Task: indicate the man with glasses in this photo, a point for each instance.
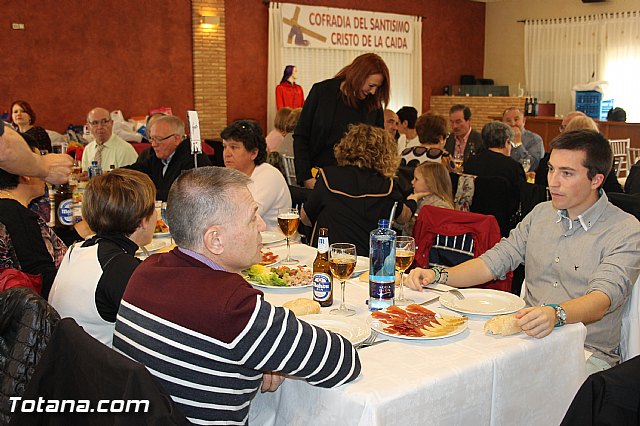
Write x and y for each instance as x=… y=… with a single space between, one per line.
x=108 y=148
x=526 y=144
x=169 y=155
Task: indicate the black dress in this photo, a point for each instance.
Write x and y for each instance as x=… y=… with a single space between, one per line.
x=349 y=201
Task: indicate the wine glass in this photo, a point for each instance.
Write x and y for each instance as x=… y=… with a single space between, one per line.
x=526 y=164
x=458 y=159
x=288 y=221
x=342 y=262
x=405 y=252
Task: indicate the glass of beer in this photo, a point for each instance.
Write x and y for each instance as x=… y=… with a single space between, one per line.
x=458 y=159
x=342 y=262
x=405 y=252
x=288 y=221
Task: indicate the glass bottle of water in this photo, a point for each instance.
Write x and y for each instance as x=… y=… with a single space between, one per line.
x=94 y=169
x=382 y=266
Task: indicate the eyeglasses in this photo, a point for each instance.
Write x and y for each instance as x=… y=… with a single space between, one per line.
x=103 y=122
x=418 y=151
x=157 y=139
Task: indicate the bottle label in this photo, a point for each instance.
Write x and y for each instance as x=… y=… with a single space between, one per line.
x=382 y=290
x=65 y=212
x=323 y=244
x=321 y=287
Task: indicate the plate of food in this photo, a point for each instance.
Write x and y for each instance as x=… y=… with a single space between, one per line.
x=162 y=230
x=280 y=278
x=269 y=258
x=416 y=322
x=356 y=330
x=154 y=246
x=270 y=237
x=481 y=301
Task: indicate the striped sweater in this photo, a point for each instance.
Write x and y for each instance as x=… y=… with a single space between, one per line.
x=208 y=336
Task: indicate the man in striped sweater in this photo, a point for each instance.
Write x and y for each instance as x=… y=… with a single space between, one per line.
x=195 y=323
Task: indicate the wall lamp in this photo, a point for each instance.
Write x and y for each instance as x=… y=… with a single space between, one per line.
x=209 y=21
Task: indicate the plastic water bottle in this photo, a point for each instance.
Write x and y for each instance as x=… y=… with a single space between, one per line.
x=94 y=170
x=382 y=266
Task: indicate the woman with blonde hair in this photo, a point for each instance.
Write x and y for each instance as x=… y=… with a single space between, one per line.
x=276 y=136
x=357 y=94
x=582 y=122
x=351 y=197
x=431 y=187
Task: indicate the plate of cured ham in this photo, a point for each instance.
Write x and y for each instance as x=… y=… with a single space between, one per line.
x=417 y=322
x=268 y=258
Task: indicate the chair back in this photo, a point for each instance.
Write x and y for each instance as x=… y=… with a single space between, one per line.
x=75 y=366
x=620 y=148
x=630 y=331
x=289 y=169
x=449 y=237
x=26 y=323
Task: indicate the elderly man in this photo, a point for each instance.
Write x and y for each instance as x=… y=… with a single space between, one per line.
x=407 y=116
x=108 y=149
x=463 y=140
x=391 y=123
x=526 y=144
x=169 y=155
x=207 y=335
x=18 y=159
x=581 y=253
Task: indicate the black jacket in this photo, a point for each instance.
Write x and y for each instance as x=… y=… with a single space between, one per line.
x=475 y=140
x=77 y=366
x=26 y=323
x=149 y=163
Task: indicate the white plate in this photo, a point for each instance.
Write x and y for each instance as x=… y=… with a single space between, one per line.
x=362 y=265
x=279 y=288
x=270 y=237
x=379 y=327
x=154 y=246
x=479 y=301
x=161 y=234
x=355 y=330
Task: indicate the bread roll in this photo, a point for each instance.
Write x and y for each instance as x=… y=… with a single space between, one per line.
x=503 y=325
x=303 y=306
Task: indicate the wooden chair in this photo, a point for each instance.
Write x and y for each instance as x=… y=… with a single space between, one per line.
x=620 y=148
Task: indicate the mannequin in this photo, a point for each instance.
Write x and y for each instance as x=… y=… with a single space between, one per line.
x=288 y=93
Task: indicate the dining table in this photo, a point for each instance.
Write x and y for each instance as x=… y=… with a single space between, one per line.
x=472 y=378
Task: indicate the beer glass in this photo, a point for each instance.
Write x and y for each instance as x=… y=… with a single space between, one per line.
x=288 y=221
x=342 y=262
x=458 y=159
x=405 y=252
x=526 y=164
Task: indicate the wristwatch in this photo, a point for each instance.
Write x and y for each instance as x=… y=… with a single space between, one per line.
x=561 y=314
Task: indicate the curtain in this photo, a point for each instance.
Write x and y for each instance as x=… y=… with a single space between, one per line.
x=620 y=63
x=316 y=64
x=561 y=53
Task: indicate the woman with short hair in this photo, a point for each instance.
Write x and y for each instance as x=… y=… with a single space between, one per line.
x=245 y=150
x=351 y=197
x=120 y=207
x=23 y=118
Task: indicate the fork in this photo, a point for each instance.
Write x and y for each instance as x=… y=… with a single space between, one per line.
x=368 y=341
x=455 y=292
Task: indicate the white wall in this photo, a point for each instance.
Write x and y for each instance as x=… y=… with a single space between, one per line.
x=504 y=36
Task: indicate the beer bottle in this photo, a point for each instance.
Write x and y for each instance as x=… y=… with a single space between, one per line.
x=63 y=202
x=322 y=279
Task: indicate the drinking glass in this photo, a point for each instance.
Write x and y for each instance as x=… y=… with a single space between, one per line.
x=526 y=164
x=342 y=262
x=458 y=159
x=405 y=252
x=288 y=221
x=163 y=214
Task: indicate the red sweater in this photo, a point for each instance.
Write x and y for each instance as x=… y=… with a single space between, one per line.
x=289 y=95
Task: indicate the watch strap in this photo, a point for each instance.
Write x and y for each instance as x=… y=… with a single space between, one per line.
x=561 y=315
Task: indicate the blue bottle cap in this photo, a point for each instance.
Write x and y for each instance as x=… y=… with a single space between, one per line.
x=383 y=223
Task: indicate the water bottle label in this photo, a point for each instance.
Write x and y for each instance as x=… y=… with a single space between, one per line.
x=65 y=212
x=321 y=287
x=382 y=290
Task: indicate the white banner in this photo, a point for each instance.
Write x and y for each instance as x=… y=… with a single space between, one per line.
x=347 y=29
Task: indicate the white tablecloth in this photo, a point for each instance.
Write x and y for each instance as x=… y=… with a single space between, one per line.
x=468 y=379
